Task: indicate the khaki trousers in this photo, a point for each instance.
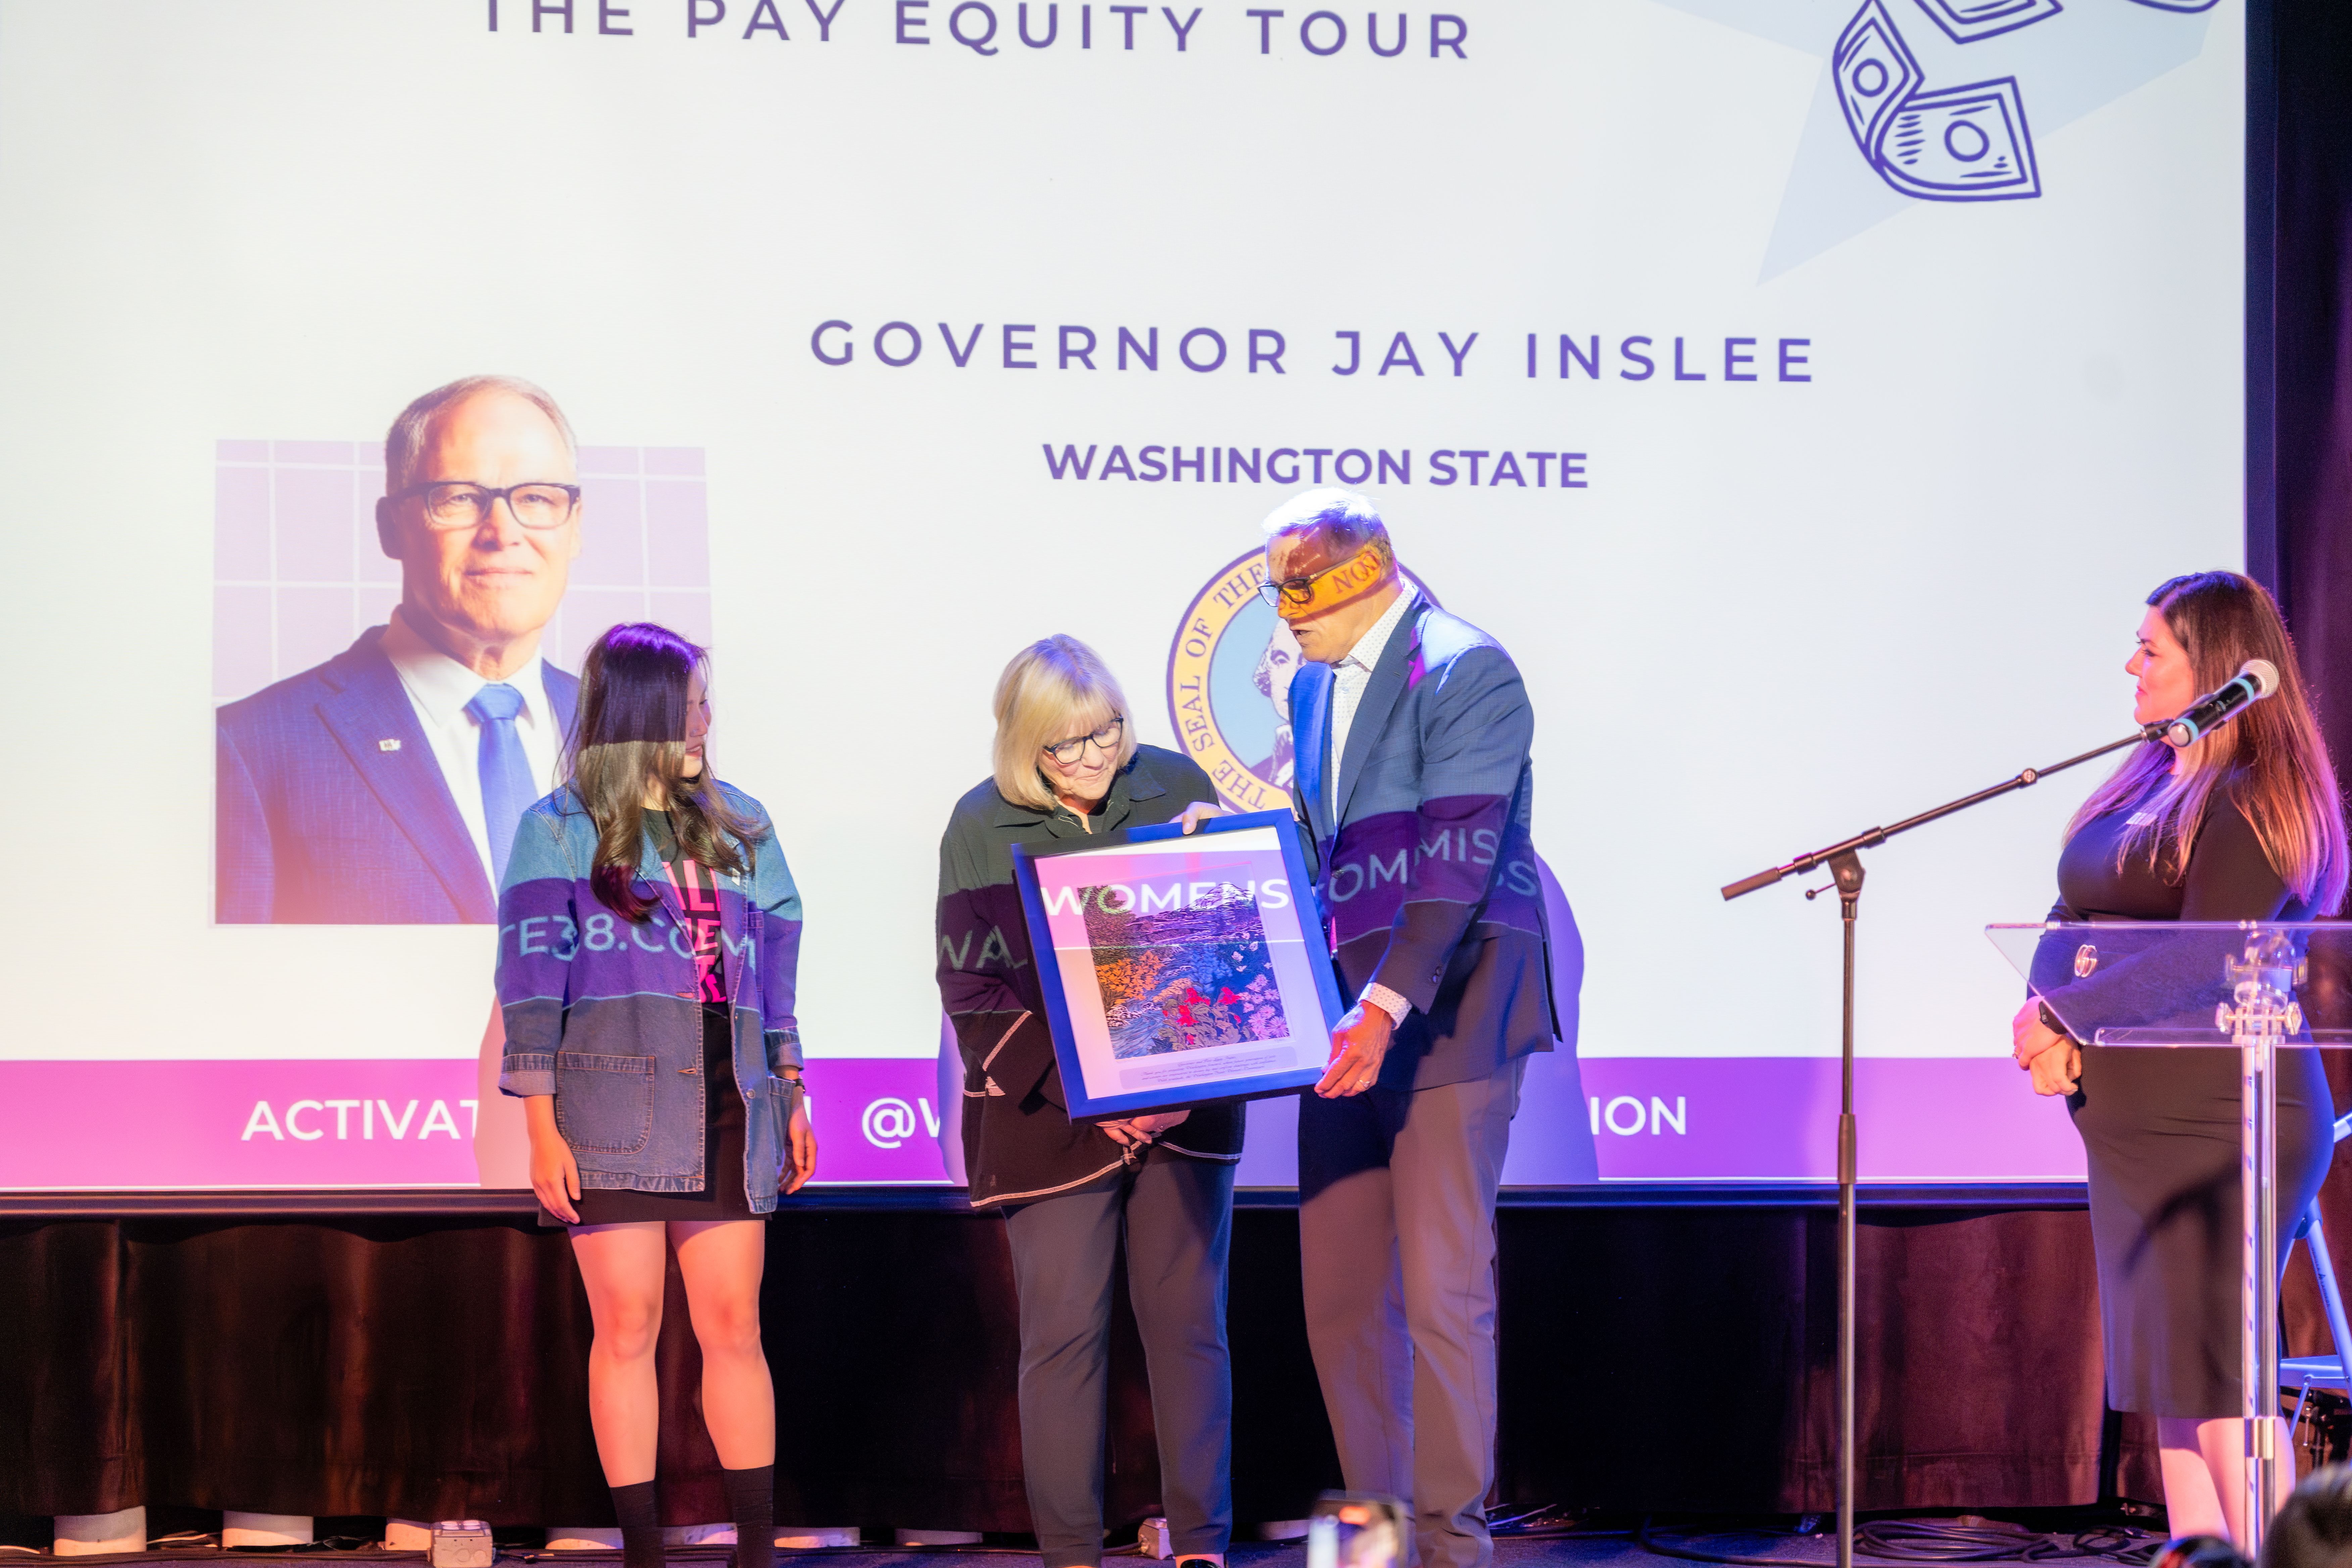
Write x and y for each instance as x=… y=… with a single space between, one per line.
x=1396 y=1229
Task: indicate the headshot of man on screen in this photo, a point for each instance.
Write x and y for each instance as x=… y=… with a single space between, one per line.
x=382 y=787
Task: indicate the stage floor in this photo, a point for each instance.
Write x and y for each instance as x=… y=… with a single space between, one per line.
x=1593 y=1549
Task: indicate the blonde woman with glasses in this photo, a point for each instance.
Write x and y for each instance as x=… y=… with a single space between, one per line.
x=1067 y=765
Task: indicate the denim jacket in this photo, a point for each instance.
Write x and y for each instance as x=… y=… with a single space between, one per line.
x=604 y=1014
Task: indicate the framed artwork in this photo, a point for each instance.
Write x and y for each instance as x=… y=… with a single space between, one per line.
x=1179 y=968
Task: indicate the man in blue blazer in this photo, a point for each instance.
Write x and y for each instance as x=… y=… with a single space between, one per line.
x=382 y=787
x=1413 y=730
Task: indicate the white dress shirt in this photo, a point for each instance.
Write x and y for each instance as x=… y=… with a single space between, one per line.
x=1349 y=676
x=438 y=688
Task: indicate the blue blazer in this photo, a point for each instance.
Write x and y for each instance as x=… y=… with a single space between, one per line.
x=1427 y=873
x=319 y=822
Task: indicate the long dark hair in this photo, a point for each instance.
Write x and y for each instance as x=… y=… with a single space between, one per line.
x=2270 y=756
x=630 y=736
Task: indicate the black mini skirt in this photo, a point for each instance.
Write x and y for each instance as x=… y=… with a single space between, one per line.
x=723 y=1194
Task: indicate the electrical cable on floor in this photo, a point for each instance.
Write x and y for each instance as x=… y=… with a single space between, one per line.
x=324 y=1545
x=1497 y=1525
x=1943 y=1541
x=1923 y=1541
x=1649 y=1541
x=1552 y=1521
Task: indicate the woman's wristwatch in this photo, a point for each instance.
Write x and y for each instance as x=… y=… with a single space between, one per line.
x=2052 y=1022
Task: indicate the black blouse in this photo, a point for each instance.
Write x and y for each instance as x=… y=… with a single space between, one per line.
x=2122 y=979
x=2228 y=877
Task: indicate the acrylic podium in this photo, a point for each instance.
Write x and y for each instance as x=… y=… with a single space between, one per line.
x=2257 y=988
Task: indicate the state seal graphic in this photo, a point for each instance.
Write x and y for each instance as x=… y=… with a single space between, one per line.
x=1229 y=674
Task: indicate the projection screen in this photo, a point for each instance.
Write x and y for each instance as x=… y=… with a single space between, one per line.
x=1806 y=395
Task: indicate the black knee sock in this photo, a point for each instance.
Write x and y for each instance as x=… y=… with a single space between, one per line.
x=752 y=1496
x=641 y=1536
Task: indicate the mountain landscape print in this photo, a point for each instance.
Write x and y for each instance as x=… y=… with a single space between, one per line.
x=1182 y=978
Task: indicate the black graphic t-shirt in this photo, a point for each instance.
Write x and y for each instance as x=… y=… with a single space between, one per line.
x=697 y=886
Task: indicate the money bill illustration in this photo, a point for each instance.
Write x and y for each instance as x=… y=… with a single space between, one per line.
x=1966 y=21
x=1961 y=144
x=1965 y=144
x=1875 y=74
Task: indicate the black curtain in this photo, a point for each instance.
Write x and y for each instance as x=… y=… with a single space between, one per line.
x=2299 y=387
x=2300 y=382
x=1673 y=1357
x=432 y=1368
x=1683 y=1360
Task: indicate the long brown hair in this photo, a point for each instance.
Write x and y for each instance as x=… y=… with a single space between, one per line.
x=630 y=735
x=2269 y=757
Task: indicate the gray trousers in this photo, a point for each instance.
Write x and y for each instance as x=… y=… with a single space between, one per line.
x=1178 y=1217
x=1396 y=1234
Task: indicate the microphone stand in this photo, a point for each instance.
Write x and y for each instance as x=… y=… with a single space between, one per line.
x=1844 y=861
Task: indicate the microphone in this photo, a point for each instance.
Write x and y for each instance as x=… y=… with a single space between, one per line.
x=2256 y=680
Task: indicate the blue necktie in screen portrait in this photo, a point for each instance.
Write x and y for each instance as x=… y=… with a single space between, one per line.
x=505 y=774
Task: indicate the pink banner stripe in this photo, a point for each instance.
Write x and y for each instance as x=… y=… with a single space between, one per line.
x=1937 y=1119
x=226 y=1125
x=221 y=1124
x=238 y=1124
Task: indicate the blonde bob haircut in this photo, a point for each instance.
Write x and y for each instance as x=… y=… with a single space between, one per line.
x=1054 y=689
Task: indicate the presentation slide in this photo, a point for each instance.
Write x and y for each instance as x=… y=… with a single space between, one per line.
x=1807 y=393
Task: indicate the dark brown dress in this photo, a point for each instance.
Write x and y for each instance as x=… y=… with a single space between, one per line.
x=2160 y=1128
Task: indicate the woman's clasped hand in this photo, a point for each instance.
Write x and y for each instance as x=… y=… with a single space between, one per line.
x=1135 y=1132
x=2055 y=1059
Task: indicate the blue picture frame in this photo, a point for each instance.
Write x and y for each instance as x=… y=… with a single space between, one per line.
x=1308 y=1016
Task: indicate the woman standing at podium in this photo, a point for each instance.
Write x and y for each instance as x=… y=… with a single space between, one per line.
x=2244 y=824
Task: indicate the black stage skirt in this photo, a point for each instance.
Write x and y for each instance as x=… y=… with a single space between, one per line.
x=723 y=1178
x=2160 y=1129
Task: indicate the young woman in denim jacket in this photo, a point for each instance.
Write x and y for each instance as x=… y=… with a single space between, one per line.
x=647 y=934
